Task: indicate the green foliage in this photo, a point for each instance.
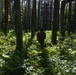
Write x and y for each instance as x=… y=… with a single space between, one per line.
x=57 y=59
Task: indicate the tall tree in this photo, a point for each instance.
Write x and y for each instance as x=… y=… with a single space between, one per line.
x=74 y=20
x=28 y=15
x=69 y=18
x=50 y=13
x=0 y=8
x=38 y=15
x=33 y=19
x=66 y=17
x=6 y=16
x=46 y=15
x=24 y=20
x=62 y=18
x=63 y=3
x=19 y=40
x=55 y=21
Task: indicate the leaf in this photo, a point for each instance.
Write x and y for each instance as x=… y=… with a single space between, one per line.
x=6 y=56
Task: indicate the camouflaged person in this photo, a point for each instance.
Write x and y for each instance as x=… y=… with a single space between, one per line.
x=41 y=36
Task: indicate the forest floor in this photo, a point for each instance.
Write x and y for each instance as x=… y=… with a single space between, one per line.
x=57 y=59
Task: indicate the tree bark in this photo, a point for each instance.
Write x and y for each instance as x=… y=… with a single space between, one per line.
x=33 y=20
x=51 y=15
x=6 y=17
x=38 y=25
x=55 y=21
x=62 y=19
x=19 y=41
x=28 y=15
x=69 y=18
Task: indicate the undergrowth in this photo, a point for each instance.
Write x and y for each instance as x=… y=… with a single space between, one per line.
x=57 y=59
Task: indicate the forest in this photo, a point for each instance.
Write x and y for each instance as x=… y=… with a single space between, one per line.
x=37 y=37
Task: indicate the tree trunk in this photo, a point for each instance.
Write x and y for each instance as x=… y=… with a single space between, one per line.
x=28 y=15
x=74 y=21
x=6 y=17
x=62 y=19
x=33 y=20
x=51 y=15
x=38 y=25
x=19 y=40
x=0 y=9
x=69 y=18
x=24 y=20
x=55 y=21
